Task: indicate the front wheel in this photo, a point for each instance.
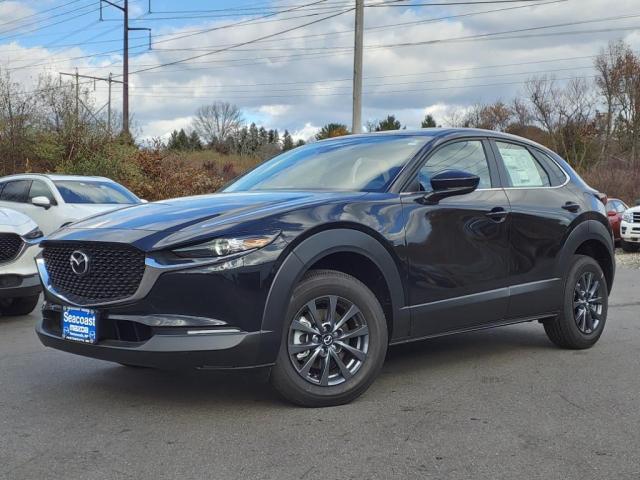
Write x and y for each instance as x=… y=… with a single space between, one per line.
x=334 y=341
x=584 y=313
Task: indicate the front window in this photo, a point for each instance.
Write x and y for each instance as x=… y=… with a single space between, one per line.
x=94 y=191
x=350 y=163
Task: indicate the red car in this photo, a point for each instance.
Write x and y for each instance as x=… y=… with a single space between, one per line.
x=615 y=209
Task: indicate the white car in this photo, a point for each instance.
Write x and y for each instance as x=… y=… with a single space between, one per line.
x=57 y=200
x=19 y=280
x=630 y=230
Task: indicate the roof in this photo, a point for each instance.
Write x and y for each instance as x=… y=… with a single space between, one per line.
x=440 y=132
x=56 y=176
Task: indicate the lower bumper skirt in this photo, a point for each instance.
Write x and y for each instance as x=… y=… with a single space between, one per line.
x=16 y=286
x=209 y=351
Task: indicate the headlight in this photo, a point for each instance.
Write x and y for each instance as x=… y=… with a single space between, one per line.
x=627 y=217
x=33 y=234
x=221 y=247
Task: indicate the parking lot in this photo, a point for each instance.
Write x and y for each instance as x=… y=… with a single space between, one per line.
x=503 y=403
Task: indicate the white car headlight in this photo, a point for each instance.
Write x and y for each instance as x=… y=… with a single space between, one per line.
x=627 y=217
x=221 y=247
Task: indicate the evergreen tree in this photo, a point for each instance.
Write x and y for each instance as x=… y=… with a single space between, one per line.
x=254 y=138
x=270 y=136
x=173 y=141
x=300 y=143
x=263 y=136
x=287 y=142
x=276 y=137
x=194 y=141
x=428 y=122
x=389 y=123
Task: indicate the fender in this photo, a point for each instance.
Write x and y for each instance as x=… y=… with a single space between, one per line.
x=588 y=230
x=308 y=252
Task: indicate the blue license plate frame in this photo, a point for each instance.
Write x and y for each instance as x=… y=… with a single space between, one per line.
x=80 y=325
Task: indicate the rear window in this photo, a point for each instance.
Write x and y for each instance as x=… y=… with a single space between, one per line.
x=94 y=191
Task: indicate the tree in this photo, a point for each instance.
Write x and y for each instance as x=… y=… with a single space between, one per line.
x=194 y=141
x=300 y=143
x=215 y=122
x=287 y=141
x=389 y=123
x=331 y=130
x=428 y=122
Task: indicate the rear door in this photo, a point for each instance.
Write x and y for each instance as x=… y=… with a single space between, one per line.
x=458 y=249
x=542 y=209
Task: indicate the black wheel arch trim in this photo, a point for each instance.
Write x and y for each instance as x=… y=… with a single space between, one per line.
x=314 y=248
x=583 y=232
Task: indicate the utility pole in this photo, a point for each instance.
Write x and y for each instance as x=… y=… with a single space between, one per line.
x=356 y=126
x=125 y=58
x=109 y=105
x=77 y=77
x=77 y=99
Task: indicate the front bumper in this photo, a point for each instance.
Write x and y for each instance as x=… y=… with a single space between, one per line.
x=171 y=342
x=203 y=316
x=630 y=232
x=16 y=286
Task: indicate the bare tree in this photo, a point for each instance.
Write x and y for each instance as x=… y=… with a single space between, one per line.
x=214 y=123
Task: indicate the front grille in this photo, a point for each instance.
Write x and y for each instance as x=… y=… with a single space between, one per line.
x=114 y=271
x=10 y=246
x=636 y=217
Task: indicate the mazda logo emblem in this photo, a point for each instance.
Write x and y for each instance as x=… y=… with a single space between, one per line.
x=79 y=263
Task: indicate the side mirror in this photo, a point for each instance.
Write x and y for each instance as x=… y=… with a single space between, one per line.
x=43 y=202
x=449 y=183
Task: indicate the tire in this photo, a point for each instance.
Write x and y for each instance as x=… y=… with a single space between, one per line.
x=570 y=329
x=629 y=247
x=342 y=383
x=20 y=306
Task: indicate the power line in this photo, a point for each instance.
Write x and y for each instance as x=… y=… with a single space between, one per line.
x=248 y=42
x=16 y=20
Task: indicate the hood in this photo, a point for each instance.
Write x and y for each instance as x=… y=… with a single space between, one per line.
x=207 y=211
x=15 y=222
x=81 y=211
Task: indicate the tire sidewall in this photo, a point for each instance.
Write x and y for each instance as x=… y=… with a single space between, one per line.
x=582 y=265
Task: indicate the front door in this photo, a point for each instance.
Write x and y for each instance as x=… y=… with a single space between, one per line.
x=458 y=250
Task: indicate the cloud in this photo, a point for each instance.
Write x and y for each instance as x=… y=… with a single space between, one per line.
x=305 y=133
x=10 y=12
x=302 y=80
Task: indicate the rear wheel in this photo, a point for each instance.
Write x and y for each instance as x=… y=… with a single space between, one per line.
x=584 y=312
x=19 y=306
x=333 y=343
x=629 y=247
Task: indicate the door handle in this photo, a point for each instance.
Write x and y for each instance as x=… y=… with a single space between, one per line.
x=572 y=207
x=497 y=214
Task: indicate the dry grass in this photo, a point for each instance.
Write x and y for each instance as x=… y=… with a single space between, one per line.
x=617 y=181
x=209 y=158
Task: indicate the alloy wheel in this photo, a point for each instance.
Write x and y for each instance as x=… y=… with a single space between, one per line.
x=328 y=340
x=587 y=303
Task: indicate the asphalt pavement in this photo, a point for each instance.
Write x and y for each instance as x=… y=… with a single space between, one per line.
x=496 y=404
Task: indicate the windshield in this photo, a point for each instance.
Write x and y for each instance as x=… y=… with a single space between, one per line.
x=94 y=191
x=349 y=163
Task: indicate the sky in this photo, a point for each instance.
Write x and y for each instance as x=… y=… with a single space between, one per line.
x=288 y=64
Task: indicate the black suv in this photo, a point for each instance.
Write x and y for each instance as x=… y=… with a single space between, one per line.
x=317 y=260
